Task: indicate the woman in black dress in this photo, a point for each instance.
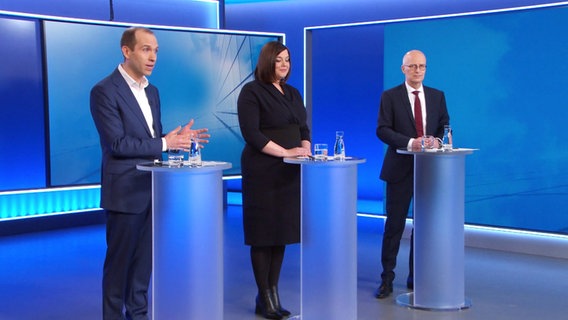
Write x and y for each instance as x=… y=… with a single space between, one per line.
x=272 y=118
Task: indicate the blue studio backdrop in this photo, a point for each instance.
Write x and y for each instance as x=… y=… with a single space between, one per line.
x=56 y=164
x=499 y=74
x=486 y=64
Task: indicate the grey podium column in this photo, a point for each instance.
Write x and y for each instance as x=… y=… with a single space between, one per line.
x=187 y=257
x=328 y=276
x=439 y=200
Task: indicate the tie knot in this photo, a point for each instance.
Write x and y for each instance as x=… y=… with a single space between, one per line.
x=416 y=92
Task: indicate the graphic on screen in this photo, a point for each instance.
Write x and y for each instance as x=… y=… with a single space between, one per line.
x=199 y=76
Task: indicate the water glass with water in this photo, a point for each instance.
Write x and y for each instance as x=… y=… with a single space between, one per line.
x=320 y=151
x=175 y=158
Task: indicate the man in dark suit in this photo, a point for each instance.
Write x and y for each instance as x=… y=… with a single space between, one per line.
x=397 y=127
x=126 y=110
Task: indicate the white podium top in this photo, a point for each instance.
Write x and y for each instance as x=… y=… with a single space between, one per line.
x=329 y=162
x=206 y=166
x=437 y=152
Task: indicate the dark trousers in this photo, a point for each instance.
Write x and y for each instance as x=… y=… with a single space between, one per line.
x=398 y=198
x=128 y=265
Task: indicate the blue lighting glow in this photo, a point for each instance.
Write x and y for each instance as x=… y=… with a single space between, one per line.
x=42 y=202
x=24 y=204
x=250 y=1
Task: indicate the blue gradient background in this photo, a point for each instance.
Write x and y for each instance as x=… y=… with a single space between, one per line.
x=199 y=76
x=504 y=77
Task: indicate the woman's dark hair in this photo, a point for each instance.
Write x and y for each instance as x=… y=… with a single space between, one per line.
x=267 y=61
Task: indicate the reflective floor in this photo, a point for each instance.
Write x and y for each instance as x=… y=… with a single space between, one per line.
x=56 y=275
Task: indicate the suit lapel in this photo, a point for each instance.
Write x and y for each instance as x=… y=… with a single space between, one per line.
x=126 y=93
x=430 y=111
x=155 y=108
x=407 y=105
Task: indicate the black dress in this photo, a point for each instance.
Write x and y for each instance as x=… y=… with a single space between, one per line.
x=271 y=188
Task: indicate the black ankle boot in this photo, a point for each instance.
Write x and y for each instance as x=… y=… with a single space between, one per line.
x=265 y=305
x=276 y=300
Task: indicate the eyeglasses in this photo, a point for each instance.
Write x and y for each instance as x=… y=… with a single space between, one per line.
x=421 y=67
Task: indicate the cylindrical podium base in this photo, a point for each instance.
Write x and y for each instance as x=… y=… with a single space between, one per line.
x=188 y=245
x=329 y=241
x=328 y=272
x=439 y=182
x=407 y=300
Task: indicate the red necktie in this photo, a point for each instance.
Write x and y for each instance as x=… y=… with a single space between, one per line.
x=418 y=115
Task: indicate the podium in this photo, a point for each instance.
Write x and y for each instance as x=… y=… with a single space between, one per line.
x=187 y=256
x=328 y=276
x=439 y=182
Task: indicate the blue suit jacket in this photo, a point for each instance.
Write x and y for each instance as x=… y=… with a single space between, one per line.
x=396 y=126
x=125 y=142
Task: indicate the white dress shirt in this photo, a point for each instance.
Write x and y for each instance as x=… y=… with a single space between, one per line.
x=139 y=91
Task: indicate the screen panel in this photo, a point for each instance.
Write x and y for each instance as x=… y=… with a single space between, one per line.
x=503 y=78
x=22 y=165
x=199 y=75
x=500 y=73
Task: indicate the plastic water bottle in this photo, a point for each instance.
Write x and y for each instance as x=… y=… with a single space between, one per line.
x=339 y=146
x=194 y=153
x=447 y=139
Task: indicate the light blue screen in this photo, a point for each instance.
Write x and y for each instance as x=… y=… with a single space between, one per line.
x=504 y=77
x=198 y=74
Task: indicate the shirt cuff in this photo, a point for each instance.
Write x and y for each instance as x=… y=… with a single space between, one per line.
x=164 y=145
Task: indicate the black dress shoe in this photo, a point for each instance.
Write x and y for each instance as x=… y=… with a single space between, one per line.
x=410 y=283
x=384 y=290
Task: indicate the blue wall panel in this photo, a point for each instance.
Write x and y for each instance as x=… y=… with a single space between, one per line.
x=22 y=146
x=344 y=97
x=186 y=13
x=82 y=9
x=202 y=14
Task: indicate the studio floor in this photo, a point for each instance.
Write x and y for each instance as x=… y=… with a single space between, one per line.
x=56 y=275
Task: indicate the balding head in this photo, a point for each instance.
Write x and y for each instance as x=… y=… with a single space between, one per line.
x=414 y=68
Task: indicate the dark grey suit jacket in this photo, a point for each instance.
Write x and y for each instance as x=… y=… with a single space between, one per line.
x=125 y=141
x=396 y=126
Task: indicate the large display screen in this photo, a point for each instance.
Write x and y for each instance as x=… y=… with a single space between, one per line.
x=199 y=75
x=503 y=75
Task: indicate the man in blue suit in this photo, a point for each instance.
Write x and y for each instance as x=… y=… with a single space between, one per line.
x=126 y=110
x=397 y=127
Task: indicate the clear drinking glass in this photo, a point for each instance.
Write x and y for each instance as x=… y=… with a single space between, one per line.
x=428 y=142
x=175 y=158
x=320 y=151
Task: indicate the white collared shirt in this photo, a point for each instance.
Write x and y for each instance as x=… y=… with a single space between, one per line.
x=138 y=89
